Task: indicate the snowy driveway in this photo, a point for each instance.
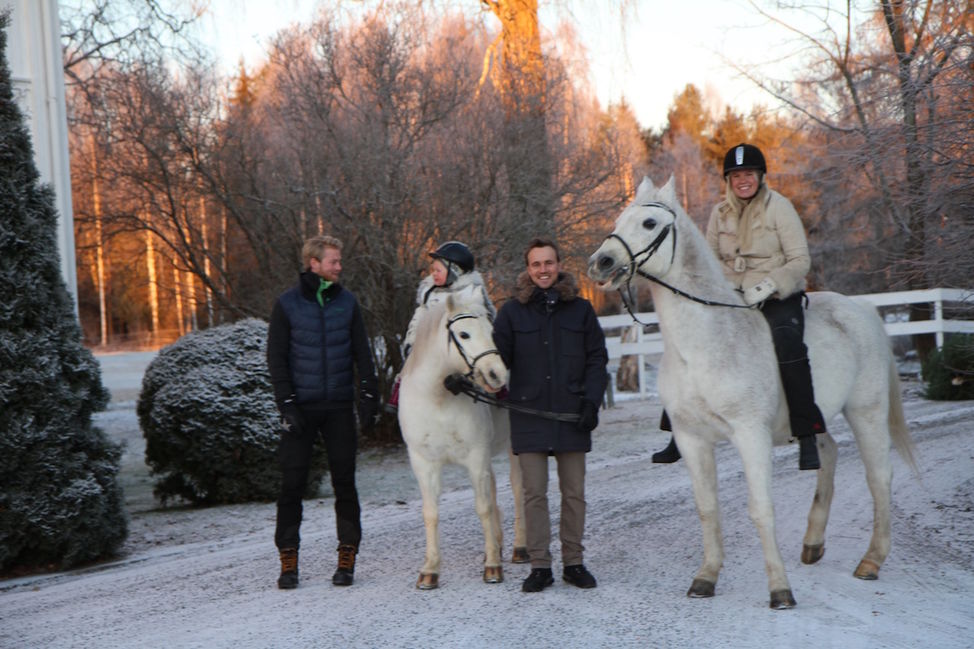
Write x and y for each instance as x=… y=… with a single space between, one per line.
x=206 y=578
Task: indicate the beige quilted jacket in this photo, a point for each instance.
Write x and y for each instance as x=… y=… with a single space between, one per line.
x=763 y=237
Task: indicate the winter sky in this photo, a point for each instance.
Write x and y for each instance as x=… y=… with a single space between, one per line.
x=648 y=58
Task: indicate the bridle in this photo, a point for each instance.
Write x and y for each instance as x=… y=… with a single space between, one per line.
x=635 y=265
x=471 y=362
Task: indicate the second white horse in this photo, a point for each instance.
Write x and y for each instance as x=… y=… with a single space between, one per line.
x=443 y=428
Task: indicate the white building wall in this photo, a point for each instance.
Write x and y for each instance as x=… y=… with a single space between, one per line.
x=34 y=56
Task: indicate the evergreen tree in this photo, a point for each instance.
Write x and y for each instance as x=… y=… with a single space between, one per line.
x=60 y=503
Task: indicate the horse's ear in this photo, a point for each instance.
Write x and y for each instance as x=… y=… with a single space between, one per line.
x=646 y=186
x=449 y=302
x=668 y=191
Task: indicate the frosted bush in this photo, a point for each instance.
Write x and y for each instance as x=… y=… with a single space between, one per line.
x=208 y=416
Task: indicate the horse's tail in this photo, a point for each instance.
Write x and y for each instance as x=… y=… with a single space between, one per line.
x=898 y=431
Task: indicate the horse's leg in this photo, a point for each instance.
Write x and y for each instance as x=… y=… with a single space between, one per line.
x=484 y=489
x=520 y=554
x=869 y=424
x=755 y=449
x=699 y=459
x=491 y=575
x=428 y=475
x=813 y=546
x=498 y=521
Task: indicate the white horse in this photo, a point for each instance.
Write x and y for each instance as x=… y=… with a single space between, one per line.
x=719 y=379
x=442 y=428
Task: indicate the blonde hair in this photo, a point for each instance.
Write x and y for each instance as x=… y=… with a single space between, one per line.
x=314 y=248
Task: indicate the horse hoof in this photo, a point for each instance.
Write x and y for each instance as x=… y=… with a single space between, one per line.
x=867 y=570
x=493 y=574
x=812 y=553
x=701 y=588
x=520 y=555
x=782 y=599
x=428 y=582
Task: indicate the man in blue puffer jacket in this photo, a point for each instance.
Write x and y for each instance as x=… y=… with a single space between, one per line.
x=316 y=343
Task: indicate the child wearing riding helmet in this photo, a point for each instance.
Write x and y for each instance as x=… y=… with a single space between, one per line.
x=451 y=269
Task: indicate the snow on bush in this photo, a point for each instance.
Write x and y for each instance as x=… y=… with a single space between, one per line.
x=208 y=416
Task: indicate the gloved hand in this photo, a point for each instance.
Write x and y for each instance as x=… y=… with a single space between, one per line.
x=455 y=383
x=292 y=420
x=368 y=406
x=588 y=416
x=760 y=291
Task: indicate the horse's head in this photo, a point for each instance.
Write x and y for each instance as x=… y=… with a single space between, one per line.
x=471 y=339
x=643 y=239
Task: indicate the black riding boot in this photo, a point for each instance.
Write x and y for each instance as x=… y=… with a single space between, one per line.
x=805 y=417
x=671 y=453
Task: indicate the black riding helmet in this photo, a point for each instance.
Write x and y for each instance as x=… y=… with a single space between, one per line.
x=744 y=156
x=456 y=253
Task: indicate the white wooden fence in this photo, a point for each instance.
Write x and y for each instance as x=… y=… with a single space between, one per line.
x=649 y=342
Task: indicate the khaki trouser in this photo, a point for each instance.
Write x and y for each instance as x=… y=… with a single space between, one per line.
x=571 y=483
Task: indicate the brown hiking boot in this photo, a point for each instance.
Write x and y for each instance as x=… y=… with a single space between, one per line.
x=289 y=569
x=344 y=576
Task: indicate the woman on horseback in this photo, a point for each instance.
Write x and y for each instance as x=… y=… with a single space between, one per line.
x=451 y=269
x=759 y=239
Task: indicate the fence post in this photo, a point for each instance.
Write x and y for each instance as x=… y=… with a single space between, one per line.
x=938 y=317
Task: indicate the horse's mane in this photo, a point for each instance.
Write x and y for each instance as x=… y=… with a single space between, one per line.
x=428 y=325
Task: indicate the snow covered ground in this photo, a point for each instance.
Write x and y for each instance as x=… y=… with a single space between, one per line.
x=206 y=578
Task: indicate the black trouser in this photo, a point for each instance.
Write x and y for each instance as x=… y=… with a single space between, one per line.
x=337 y=429
x=786 y=318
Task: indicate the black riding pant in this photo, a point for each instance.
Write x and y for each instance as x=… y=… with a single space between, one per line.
x=337 y=429
x=786 y=318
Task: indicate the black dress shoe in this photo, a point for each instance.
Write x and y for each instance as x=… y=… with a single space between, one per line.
x=668 y=455
x=538 y=580
x=578 y=576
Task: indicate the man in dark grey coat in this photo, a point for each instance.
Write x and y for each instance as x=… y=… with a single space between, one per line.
x=551 y=340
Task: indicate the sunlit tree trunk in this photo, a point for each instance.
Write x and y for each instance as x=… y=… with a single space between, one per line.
x=150 y=266
x=192 y=303
x=177 y=289
x=224 y=284
x=99 y=246
x=522 y=83
x=207 y=292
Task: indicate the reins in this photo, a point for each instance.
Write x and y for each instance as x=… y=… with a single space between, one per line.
x=476 y=394
x=471 y=390
x=635 y=267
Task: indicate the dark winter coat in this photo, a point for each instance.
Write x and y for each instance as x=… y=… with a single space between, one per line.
x=555 y=349
x=313 y=350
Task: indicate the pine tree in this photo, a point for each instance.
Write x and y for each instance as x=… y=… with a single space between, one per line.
x=60 y=503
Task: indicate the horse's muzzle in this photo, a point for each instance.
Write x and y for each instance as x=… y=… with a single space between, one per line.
x=604 y=269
